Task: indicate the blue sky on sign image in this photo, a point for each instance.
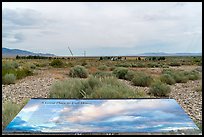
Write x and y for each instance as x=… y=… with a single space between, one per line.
x=143 y=115
x=102 y=28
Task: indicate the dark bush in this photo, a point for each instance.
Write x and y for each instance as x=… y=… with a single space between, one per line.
x=174 y=64
x=56 y=63
x=21 y=73
x=120 y=72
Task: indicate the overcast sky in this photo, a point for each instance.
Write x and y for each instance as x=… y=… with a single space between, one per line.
x=102 y=28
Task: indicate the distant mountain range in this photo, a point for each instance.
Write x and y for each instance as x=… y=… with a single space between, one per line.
x=170 y=54
x=6 y=52
x=14 y=52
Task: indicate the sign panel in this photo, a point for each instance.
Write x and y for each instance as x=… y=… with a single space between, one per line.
x=101 y=116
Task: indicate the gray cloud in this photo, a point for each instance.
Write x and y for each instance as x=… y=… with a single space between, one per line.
x=102 y=25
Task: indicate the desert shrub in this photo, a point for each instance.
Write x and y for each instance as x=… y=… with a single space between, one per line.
x=84 y=63
x=32 y=66
x=192 y=75
x=112 y=88
x=168 y=79
x=103 y=67
x=41 y=65
x=141 y=79
x=153 y=65
x=124 y=65
x=70 y=88
x=56 y=63
x=108 y=87
x=165 y=66
x=180 y=77
x=9 y=79
x=21 y=73
x=174 y=64
x=102 y=74
x=140 y=65
x=130 y=75
x=78 y=71
x=120 y=72
x=94 y=82
x=8 y=65
x=15 y=65
x=70 y=64
x=159 y=89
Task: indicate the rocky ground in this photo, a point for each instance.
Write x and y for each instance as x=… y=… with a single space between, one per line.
x=38 y=86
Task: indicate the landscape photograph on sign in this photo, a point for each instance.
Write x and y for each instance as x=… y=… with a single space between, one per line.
x=115 y=116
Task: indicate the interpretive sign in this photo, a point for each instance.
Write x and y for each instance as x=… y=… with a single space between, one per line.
x=101 y=116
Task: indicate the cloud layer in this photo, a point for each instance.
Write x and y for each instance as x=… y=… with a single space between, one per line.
x=136 y=115
x=135 y=27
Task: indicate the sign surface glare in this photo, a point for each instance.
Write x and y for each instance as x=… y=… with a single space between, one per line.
x=103 y=116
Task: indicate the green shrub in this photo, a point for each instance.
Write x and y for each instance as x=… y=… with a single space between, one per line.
x=21 y=73
x=78 y=71
x=179 y=77
x=9 y=79
x=70 y=88
x=56 y=63
x=107 y=87
x=159 y=89
x=69 y=64
x=168 y=79
x=174 y=64
x=120 y=72
x=153 y=65
x=124 y=65
x=141 y=79
x=8 y=65
x=102 y=74
x=165 y=66
x=192 y=75
x=140 y=65
x=112 y=88
x=130 y=75
x=103 y=67
x=15 y=65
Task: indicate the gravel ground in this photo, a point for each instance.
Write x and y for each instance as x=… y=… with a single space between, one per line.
x=36 y=86
x=39 y=86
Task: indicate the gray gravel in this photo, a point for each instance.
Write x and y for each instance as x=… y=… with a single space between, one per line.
x=37 y=86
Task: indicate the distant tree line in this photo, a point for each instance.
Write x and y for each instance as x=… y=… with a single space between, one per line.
x=110 y=58
x=155 y=58
x=40 y=57
x=32 y=57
